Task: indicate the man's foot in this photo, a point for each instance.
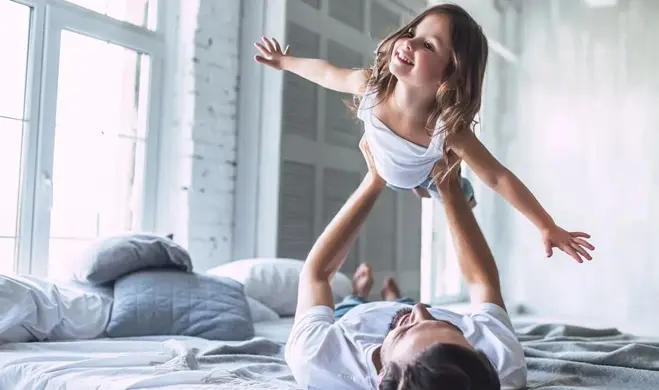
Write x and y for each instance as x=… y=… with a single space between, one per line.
x=390 y=291
x=362 y=281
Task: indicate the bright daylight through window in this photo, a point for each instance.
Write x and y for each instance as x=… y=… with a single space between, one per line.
x=14 y=41
x=77 y=103
x=99 y=148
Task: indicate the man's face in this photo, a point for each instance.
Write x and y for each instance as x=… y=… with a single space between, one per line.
x=412 y=330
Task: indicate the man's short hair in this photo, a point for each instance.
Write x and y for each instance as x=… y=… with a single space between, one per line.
x=443 y=366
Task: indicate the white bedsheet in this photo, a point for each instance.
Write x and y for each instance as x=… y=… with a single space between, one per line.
x=104 y=364
x=113 y=364
x=38 y=309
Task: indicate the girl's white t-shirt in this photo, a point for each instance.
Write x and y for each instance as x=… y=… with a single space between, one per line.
x=399 y=162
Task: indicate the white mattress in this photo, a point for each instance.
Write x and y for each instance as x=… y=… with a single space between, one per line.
x=112 y=364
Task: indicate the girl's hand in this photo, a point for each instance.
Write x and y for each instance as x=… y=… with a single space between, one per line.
x=572 y=243
x=271 y=53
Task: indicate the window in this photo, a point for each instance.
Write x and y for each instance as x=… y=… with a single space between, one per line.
x=139 y=12
x=14 y=41
x=78 y=113
x=99 y=148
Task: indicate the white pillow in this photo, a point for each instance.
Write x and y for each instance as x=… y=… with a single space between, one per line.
x=274 y=282
x=260 y=312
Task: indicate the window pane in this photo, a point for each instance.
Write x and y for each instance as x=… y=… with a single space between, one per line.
x=139 y=12
x=11 y=136
x=102 y=87
x=97 y=182
x=14 y=41
x=99 y=144
x=7 y=255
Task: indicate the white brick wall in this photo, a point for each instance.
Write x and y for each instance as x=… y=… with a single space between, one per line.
x=198 y=144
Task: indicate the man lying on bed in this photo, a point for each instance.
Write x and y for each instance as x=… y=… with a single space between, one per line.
x=394 y=345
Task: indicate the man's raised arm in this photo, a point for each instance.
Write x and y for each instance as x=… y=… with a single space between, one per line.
x=331 y=248
x=474 y=256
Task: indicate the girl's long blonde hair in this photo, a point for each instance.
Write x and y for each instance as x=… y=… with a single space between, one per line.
x=459 y=96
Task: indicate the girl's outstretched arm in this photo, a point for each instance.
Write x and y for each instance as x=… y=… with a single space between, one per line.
x=468 y=147
x=315 y=70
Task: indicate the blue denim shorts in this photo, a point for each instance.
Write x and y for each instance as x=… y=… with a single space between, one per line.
x=428 y=184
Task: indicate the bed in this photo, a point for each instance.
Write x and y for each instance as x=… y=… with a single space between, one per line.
x=558 y=356
x=132 y=324
x=162 y=362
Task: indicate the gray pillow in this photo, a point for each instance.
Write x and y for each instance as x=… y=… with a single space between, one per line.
x=111 y=258
x=168 y=302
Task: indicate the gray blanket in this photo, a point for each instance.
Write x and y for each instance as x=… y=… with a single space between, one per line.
x=563 y=357
x=253 y=364
x=559 y=357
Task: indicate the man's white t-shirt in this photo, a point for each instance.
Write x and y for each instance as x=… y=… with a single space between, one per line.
x=327 y=354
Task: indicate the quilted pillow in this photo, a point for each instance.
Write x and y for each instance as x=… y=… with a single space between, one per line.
x=113 y=257
x=169 y=302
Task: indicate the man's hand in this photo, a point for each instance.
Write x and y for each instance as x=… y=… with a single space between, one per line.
x=447 y=181
x=370 y=163
x=271 y=53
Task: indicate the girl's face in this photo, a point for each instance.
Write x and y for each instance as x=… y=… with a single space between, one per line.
x=421 y=56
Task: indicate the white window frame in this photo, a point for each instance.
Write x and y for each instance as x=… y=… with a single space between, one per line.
x=48 y=19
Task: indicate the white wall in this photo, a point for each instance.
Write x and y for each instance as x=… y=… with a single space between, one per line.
x=198 y=145
x=585 y=141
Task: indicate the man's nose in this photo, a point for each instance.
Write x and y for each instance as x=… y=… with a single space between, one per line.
x=420 y=313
